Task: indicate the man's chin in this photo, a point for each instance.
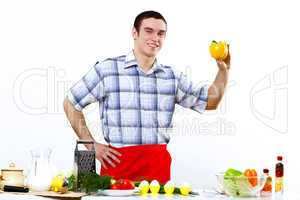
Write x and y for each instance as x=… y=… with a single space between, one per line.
x=151 y=53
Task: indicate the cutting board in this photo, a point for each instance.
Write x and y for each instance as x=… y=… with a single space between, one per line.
x=72 y=195
x=66 y=196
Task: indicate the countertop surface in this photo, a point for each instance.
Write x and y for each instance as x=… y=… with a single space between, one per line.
x=201 y=196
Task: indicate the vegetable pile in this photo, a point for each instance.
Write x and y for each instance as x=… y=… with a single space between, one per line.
x=89 y=182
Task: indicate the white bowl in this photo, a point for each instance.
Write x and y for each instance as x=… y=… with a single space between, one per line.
x=117 y=193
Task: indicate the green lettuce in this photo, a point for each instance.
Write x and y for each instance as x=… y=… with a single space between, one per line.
x=236 y=184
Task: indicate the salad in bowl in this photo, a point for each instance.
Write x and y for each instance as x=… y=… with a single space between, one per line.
x=237 y=184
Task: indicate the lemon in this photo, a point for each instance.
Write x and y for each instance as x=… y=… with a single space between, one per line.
x=185 y=189
x=169 y=187
x=144 y=187
x=57 y=183
x=154 y=187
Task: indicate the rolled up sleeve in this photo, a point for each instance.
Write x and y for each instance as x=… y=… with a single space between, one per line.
x=190 y=95
x=89 y=89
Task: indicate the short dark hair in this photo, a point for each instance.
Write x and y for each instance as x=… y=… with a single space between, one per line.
x=145 y=15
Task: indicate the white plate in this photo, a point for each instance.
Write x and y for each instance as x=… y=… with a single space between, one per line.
x=117 y=193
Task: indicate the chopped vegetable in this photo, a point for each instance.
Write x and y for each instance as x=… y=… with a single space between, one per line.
x=154 y=187
x=122 y=184
x=144 y=187
x=252 y=176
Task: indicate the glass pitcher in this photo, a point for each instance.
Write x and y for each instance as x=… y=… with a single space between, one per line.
x=41 y=173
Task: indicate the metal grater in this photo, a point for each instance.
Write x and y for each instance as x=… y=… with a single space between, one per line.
x=84 y=161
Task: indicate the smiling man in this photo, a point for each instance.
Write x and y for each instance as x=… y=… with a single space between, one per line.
x=137 y=97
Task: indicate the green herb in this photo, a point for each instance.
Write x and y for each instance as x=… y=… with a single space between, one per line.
x=162 y=190
x=71 y=182
x=91 y=182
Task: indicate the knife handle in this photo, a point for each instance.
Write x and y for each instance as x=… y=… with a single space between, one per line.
x=9 y=188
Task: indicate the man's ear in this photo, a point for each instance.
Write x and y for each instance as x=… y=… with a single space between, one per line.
x=134 y=33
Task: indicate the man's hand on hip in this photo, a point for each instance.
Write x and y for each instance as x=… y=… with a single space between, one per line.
x=107 y=155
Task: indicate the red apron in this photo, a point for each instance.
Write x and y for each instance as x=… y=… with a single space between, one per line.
x=142 y=162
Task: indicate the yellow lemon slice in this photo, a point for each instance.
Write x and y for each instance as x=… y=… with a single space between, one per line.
x=185 y=189
x=144 y=187
x=154 y=187
x=169 y=187
x=57 y=183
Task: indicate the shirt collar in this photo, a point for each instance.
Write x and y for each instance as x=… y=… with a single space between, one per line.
x=130 y=61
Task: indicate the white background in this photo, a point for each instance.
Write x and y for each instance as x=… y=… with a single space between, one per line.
x=45 y=46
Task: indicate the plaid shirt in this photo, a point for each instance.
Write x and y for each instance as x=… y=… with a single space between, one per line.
x=136 y=107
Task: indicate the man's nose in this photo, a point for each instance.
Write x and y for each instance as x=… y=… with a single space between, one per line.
x=155 y=37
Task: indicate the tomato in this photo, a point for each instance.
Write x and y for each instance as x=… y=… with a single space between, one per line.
x=122 y=184
x=252 y=176
x=218 y=50
x=114 y=187
x=126 y=184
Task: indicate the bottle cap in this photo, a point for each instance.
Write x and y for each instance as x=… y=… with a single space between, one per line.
x=266 y=171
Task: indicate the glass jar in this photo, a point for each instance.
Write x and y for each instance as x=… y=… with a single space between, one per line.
x=41 y=173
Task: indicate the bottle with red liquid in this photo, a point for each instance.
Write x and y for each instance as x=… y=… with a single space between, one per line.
x=267 y=189
x=279 y=172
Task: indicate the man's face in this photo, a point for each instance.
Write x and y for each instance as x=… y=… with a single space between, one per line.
x=150 y=37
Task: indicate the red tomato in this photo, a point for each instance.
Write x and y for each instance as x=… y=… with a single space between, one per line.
x=127 y=184
x=114 y=187
x=252 y=176
x=123 y=184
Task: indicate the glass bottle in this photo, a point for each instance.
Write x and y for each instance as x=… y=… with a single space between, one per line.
x=267 y=189
x=279 y=173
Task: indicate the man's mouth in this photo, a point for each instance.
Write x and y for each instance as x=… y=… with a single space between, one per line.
x=152 y=45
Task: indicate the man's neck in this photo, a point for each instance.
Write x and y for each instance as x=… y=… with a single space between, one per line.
x=144 y=62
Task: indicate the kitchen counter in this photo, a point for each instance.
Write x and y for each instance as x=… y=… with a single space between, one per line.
x=216 y=197
x=202 y=196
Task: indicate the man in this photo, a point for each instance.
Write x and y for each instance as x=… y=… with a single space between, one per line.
x=137 y=97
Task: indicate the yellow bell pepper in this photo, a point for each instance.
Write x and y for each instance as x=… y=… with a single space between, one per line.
x=218 y=50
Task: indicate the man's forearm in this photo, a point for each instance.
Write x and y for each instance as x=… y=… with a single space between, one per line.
x=77 y=121
x=217 y=89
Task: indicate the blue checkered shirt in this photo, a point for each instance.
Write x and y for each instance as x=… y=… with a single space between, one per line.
x=136 y=107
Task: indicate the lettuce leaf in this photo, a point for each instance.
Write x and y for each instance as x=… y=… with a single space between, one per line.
x=236 y=184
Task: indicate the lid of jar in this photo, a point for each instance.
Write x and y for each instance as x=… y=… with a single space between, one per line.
x=12 y=167
x=279 y=158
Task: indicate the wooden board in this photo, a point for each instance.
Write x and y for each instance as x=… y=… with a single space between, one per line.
x=55 y=194
x=51 y=194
